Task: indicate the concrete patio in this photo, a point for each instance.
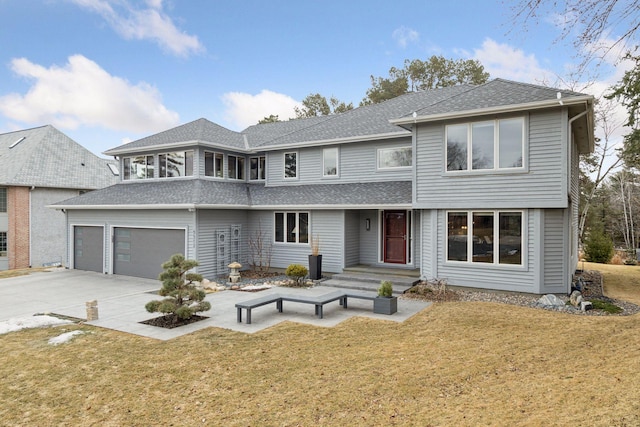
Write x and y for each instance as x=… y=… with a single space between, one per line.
x=121 y=301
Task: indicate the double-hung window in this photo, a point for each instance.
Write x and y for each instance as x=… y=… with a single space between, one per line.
x=330 y=162
x=391 y=158
x=3 y=243
x=257 y=168
x=138 y=167
x=291 y=165
x=292 y=227
x=485 y=237
x=213 y=164
x=175 y=164
x=485 y=146
x=235 y=166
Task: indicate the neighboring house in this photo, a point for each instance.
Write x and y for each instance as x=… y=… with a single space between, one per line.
x=475 y=184
x=41 y=166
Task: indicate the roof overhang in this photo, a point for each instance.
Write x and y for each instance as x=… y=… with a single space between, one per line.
x=574 y=100
x=173 y=145
x=346 y=140
x=188 y=206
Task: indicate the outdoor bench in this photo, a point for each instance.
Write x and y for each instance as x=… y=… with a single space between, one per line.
x=317 y=301
x=357 y=295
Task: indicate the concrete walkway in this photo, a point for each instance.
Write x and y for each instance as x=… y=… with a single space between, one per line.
x=121 y=301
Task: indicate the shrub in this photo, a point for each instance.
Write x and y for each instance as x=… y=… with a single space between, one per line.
x=598 y=247
x=297 y=273
x=385 y=289
x=183 y=298
x=605 y=306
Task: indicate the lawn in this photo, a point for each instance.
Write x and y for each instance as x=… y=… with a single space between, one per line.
x=453 y=364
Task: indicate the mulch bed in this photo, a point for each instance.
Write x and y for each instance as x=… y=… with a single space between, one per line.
x=170 y=321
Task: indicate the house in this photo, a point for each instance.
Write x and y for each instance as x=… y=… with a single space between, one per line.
x=41 y=166
x=475 y=184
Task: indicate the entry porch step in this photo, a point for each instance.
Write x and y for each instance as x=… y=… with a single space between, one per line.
x=368 y=279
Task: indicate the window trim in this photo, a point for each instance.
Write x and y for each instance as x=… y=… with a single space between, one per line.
x=496 y=233
x=392 y=168
x=126 y=176
x=337 y=151
x=261 y=171
x=284 y=227
x=214 y=170
x=284 y=165
x=162 y=172
x=496 y=148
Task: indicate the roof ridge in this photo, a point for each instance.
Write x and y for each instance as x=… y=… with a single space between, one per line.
x=26 y=130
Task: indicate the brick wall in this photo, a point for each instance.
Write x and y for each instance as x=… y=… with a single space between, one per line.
x=18 y=233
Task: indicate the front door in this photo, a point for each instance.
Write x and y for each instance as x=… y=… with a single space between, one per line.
x=395 y=237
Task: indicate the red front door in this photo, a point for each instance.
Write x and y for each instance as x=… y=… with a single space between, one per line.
x=395 y=237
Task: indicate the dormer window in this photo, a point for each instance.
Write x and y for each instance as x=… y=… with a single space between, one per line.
x=176 y=164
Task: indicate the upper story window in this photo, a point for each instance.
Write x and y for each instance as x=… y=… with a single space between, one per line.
x=3 y=199
x=235 y=167
x=138 y=167
x=292 y=227
x=492 y=237
x=213 y=164
x=257 y=166
x=490 y=145
x=330 y=162
x=178 y=163
x=291 y=165
x=390 y=158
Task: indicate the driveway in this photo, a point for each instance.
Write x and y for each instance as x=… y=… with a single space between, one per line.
x=121 y=301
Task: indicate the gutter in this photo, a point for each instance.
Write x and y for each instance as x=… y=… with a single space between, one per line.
x=492 y=110
x=173 y=146
x=191 y=207
x=346 y=140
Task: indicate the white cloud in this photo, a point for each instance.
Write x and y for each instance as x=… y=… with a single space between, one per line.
x=149 y=23
x=244 y=109
x=83 y=94
x=404 y=35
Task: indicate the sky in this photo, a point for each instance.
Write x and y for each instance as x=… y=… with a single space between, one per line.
x=107 y=72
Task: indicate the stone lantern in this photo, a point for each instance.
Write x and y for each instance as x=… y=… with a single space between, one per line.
x=234 y=276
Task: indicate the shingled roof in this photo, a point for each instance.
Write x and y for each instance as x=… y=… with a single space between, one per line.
x=45 y=157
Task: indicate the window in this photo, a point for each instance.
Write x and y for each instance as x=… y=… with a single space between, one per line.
x=235 y=167
x=490 y=145
x=213 y=164
x=292 y=227
x=138 y=167
x=330 y=162
x=473 y=237
x=291 y=165
x=3 y=243
x=3 y=199
x=179 y=163
x=389 y=158
x=257 y=166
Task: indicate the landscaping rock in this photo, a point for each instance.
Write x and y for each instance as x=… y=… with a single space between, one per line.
x=551 y=300
x=586 y=305
x=575 y=298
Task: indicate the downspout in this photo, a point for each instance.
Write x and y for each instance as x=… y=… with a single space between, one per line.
x=33 y=187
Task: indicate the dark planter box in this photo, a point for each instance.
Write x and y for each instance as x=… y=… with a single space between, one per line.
x=385 y=305
x=315 y=267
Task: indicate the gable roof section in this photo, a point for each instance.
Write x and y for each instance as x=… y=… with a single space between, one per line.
x=45 y=157
x=363 y=123
x=210 y=194
x=197 y=131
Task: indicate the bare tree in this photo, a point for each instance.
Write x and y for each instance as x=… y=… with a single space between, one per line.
x=260 y=251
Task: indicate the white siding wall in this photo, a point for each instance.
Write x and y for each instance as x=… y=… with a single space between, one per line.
x=542 y=184
x=357 y=163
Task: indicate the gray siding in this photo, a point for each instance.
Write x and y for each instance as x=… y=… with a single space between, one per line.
x=357 y=163
x=180 y=219
x=328 y=225
x=352 y=238
x=48 y=227
x=554 y=255
x=519 y=279
x=369 y=238
x=542 y=184
x=217 y=245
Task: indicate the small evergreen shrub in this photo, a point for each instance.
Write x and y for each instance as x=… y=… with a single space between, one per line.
x=297 y=273
x=598 y=247
x=183 y=298
x=385 y=289
x=605 y=306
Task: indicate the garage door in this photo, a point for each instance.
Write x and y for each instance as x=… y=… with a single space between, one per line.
x=88 y=248
x=140 y=252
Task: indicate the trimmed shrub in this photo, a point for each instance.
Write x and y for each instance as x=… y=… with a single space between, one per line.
x=385 y=289
x=598 y=247
x=297 y=273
